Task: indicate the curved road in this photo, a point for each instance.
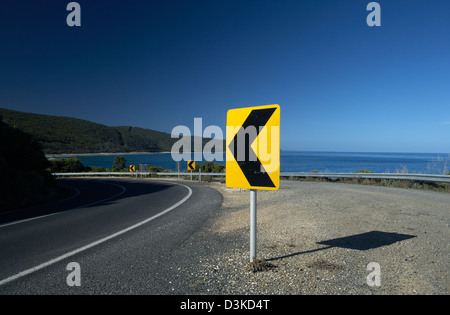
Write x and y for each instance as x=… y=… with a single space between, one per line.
x=123 y=233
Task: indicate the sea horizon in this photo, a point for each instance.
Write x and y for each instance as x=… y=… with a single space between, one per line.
x=282 y=150
x=297 y=161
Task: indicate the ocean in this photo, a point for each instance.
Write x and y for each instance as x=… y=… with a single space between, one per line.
x=299 y=161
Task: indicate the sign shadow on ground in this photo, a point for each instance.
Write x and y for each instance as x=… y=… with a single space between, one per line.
x=368 y=240
x=363 y=241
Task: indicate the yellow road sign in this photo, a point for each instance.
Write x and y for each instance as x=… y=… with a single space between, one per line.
x=132 y=168
x=253 y=148
x=191 y=165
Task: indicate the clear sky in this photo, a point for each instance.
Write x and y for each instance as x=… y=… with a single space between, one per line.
x=341 y=85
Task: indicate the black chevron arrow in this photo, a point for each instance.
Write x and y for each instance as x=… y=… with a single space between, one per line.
x=251 y=168
x=190 y=165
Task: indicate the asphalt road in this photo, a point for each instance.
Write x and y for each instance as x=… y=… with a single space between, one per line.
x=124 y=234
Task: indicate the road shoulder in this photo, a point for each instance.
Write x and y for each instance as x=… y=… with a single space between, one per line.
x=324 y=238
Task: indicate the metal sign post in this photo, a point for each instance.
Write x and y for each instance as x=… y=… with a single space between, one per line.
x=253 y=155
x=253 y=200
x=191 y=166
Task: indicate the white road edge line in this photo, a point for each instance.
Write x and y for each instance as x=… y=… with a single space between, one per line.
x=83 y=206
x=100 y=241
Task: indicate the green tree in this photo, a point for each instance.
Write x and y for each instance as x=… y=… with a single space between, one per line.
x=98 y=169
x=73 y=165
x=64 y=165
x=363 y=171
x=210 y=167
x=24 y=178
x=119 y=164
x=155 y=169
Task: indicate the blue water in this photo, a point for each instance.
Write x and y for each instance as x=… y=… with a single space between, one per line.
x=296 y=161
x=348 y=162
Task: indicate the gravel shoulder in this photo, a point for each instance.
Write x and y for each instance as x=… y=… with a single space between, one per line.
x=319 y=239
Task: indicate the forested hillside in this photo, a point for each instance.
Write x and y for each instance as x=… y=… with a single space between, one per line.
x=24 y=176
x=65 y=135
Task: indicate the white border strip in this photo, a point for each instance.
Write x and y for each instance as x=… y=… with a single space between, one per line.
x=100 y=241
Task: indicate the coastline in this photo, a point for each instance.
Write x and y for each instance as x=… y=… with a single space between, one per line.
x=102 y=153
x=296 y=162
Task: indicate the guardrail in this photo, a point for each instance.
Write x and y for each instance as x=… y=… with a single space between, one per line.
x=413 y=177
x=134 y=174
x=332 y=176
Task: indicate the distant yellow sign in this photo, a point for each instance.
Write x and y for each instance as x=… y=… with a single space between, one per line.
x=253 y=148
x=191 y=165
x=132 y=168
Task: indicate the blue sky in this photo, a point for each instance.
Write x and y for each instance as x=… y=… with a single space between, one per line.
x=341 y=85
